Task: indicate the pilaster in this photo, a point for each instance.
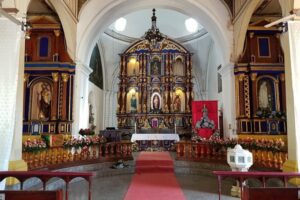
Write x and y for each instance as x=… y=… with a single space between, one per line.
x=228 y=104
x=291 y=43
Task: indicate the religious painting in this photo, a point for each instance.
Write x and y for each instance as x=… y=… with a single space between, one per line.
x=41 y=95
x=156 y=101
x=155 y=67
x=266 y=94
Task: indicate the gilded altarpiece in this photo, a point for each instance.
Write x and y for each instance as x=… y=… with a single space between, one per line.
x=260 y=84
x=155 y=88
x=48 y=79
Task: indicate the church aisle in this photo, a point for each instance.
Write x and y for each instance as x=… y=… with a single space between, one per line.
x=154 y=178
x=115 y=187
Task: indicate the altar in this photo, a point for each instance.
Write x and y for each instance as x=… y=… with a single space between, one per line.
x=155 y=141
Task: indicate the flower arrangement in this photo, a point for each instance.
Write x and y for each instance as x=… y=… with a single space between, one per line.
x=276 y=145
x=34 y=145
x=86 y=131
x=135 y=147
x=267 y=113
x=84 y=141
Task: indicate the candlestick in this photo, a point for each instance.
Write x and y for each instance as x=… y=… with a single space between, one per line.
x=175 y=128
x=135 y=127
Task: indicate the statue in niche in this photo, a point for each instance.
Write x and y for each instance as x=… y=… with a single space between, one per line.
x=177 y=104
x=133 y=103
x=156 y=102
x=155 y=67
x=91 y=118
x=264 y=95
x=144 y=108
x=44 y=101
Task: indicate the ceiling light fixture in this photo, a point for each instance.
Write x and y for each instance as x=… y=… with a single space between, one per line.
x=191 y=25
x=120 y=24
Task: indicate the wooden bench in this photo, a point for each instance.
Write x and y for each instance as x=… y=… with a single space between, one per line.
x=32 y=195
x=270 y=193
x=265 y=192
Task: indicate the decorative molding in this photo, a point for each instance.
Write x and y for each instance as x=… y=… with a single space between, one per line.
x=65 y=77
x=55 y=76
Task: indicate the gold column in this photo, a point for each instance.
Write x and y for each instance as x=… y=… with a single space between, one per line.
x=57 y=34
x=277 y=95
x=26 y=77
x=54 y=100
x=254 y=93
x=65 y=78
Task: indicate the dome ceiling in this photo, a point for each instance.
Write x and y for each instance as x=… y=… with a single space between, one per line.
x=169 y=22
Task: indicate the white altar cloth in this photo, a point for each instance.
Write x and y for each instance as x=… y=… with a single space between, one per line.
x=154 y=136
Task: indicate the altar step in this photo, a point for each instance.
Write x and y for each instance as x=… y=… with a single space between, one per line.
x=154 y=169
x=154 y=162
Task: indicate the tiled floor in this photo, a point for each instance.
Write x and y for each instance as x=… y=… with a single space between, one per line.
x=115 y=187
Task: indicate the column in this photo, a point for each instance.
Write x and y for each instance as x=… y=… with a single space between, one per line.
x=241 y=100
x=254 y=93
x=80 y=111
x=228 y=100
x=54 y=100
x=56 y=54
x=291 y=43
x=65 y=78
x=283 y=93
x=11 y=92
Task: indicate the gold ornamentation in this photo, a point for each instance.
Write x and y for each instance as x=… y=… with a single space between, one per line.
x=251 y=34
x=65 y=77
x=55 y=76
x=247 y=96
x=241 y=77
x=26 y=77
x=57 y=33
x=282 y=77
x=253 y=76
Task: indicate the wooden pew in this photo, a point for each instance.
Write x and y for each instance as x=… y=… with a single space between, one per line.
x=270 y=193
x=32 y=195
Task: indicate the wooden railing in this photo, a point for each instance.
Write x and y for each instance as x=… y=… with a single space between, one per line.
x=241 y=177
x=44 y=176
x=63 y=156
x=192 y=151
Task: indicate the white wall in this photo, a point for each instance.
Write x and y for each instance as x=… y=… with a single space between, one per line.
x=98 y=105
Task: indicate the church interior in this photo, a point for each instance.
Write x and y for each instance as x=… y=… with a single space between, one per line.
x=152 y=99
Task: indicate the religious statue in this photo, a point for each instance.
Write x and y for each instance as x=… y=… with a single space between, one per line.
x=133 y=103
x=155 y=69
x=205 y=122
x=44 y=101
x=177 y=104
x=156 y=102
x=263 y=95
x=144 y=108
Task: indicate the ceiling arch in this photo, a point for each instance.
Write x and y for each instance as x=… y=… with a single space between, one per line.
x=95 y=18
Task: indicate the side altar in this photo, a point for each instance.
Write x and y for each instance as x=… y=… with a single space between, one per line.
x=155 y=88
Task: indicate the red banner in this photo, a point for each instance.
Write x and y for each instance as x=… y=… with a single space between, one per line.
x=205 y=117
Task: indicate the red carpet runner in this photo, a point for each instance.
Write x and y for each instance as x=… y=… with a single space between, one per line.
x=154 y=178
